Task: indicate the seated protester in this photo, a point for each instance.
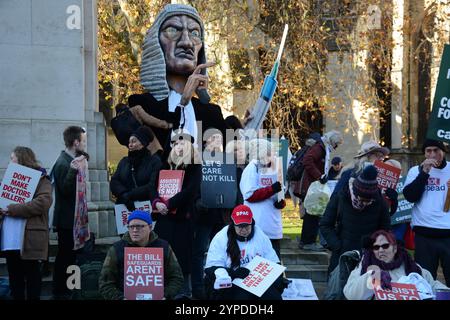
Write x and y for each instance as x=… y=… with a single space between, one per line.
x=383 y=253
x=231 y=250
x=259 y=187
x=136 y=176
x=356 y=211
x=140 y=234
x=24 y=265
x=175 y=216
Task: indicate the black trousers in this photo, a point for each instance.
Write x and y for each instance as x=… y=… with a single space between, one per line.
x=276 y=244
x=65 y=257
x=24 y=276
x=432 y=251
x=310 y=229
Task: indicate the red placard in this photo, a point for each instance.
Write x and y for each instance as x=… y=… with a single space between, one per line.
x=143 y=274
x=400 y=291
x=388 y=176
x=170 y=183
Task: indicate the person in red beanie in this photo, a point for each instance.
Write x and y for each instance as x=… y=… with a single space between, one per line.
x=229 y=253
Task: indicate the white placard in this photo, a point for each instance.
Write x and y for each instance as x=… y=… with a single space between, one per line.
x=263 y=274
x=18 y=186
x=122 y=213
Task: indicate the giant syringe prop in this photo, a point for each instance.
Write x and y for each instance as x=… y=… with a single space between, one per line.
x=267 y=91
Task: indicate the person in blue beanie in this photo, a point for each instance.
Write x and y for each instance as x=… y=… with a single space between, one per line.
x=139 y=234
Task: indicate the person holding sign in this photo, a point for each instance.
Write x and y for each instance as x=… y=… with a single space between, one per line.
x=356 y=211
x=383 y=262
x=259 y=186
x=64 y=173
x=139 y=234
x=136 y=176
x=175 y=218
x=427 y=186
x=23 y=266
x=231 y=250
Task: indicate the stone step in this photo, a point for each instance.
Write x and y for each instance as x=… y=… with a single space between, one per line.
x=301 y=257
x=317 y=273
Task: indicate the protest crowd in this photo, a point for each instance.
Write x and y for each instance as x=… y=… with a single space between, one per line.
x=203 y=215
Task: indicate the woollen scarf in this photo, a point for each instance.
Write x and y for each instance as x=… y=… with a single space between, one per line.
x=81 y=222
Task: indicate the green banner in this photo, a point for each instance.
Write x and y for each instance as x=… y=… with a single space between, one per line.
x=403 y=213
x=439 y=123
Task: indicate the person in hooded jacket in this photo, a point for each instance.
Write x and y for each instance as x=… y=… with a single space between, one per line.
x=23 y=266
x=231 y=250
x=136 y=176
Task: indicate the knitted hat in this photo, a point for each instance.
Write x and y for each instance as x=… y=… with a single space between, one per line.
x=242 y=214
x=365 y=185
x=153 y=67
x=433 y=143
x=371 y=147
x=181 y=134
x=336 y=160
x=140 y=215
x=144 y=135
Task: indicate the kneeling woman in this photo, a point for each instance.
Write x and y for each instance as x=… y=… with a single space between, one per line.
x=385 y=259
x=231 y=250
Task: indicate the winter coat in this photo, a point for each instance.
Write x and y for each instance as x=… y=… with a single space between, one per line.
x=35 y=244
x=65 y=188
x=314 y=166
x=342 y=226
x=145 y=176
x=357 y=289
x=209 y=114
x=111 y=281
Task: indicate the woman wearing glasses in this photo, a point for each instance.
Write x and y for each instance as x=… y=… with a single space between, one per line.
x=356 y=211
x=385 y=261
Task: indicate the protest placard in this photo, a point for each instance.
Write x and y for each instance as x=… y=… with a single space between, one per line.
x=143 y=274
x=263 y=274
x=438 y=123
x=388 y=175
x=404 y=208
x=219 y=185
x=399 y=291
x=18 y=186
x=170 y=183
x=122 y=213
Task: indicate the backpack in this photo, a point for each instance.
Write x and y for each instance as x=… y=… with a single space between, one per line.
x=339 y=276
x=124 y=124
x=91 y=264
x=295 y=167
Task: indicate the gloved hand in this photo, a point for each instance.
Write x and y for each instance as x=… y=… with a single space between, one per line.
x=391 y=194
x=130 y=205
x=276 y=187
x=240 y=273
x=323 y=179
x=279 y=204
x=223 y=280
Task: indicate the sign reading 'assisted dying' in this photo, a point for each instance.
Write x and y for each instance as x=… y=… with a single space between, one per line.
x=439 y=123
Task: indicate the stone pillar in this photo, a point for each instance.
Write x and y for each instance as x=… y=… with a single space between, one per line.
x=48 y=54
